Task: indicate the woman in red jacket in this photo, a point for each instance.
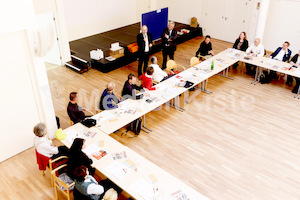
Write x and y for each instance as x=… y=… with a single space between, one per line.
x=147 y=79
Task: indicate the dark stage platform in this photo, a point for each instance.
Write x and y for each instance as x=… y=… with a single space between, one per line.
x=80 y=49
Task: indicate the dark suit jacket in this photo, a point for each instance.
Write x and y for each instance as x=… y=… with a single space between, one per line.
x=74 y=113
x=173 y=37
x=286 y=56
x=244 y=45
x=141 y=43
x=295 y=58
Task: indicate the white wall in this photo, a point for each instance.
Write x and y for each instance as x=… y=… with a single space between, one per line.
x=85 y=18
x=283 y=25
x=25 y=98
x=182 y=11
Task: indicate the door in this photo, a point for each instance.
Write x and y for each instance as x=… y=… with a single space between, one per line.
x=19 y=104
x=213 y=17
x=53 y=56
x=234 y=19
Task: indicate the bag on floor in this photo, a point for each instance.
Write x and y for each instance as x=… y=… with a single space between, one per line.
x=265 y=77
x=135 y=126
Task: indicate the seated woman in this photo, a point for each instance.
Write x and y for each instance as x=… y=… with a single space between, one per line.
x=147 y=79
x=240 y=44
x=43 y=144
x=295 y=62
x=77 y=158
x=87 y=186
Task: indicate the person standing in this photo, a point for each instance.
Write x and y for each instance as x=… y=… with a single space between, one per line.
x=144 y=41
x=168 y=38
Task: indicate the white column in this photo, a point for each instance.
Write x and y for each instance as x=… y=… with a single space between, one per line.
x=262 y=18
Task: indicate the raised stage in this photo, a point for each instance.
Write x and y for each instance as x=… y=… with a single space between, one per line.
x=80 y=49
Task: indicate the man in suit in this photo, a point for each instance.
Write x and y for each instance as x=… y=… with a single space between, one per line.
x=144 y=41
x=282 y=54
x=168 y=38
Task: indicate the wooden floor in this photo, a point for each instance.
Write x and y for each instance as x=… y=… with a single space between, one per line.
x=241 y=142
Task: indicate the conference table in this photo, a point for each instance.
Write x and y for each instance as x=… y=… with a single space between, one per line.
x=140 y=178
x=145 y=180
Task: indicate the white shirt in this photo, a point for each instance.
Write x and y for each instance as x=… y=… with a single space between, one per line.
x=146 y=42
x=158 y=73
x=280 y=55
x=257 y=50
x=44 y=146
x=93 y=188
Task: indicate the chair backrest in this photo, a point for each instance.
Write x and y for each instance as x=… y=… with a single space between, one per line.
x=194 y=61
x=42 y=160
x=58 y=182
x=171 y=65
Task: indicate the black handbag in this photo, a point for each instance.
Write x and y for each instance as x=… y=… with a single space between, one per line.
x=89 y=122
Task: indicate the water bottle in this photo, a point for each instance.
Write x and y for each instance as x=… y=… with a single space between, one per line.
x=212 y=65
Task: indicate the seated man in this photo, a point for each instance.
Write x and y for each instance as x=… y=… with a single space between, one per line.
x=75 y=112
x=283 y=54
x=107 y=98
x=205 y=48
x=130 y=87
x=295 y=62
x=147 y=79
x=256 y=50
x=158 y=74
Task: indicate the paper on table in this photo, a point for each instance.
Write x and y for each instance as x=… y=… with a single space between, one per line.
x=118 y=170
x=145 y=189
x=91 y=149
x=72 y=134
x=103 y=116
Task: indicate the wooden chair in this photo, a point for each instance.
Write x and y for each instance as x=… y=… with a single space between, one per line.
x=53 y=165
x=194 y=61
x=58 y=182
x=202 y=58
x=171 y=66
x=45 y=162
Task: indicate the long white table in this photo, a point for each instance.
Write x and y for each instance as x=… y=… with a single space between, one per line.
x=143 y=178
x=111 y=120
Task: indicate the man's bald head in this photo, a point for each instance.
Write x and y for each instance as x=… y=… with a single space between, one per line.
x=257 y=41
x=144 y=29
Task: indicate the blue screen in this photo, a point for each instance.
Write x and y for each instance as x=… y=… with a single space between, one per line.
x=156 y=21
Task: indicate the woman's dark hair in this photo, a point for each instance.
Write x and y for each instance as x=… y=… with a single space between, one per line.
x=150 y=70
x=77 y=145
x=80 y=173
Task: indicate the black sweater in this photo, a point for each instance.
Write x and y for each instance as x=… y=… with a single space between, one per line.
x=74 y=113
x=244 y=46
x=204 y=49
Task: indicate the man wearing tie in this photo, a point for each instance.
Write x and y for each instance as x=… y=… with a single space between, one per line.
x=144 y=41
x=168 y=38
